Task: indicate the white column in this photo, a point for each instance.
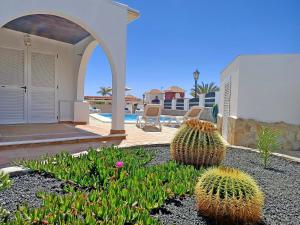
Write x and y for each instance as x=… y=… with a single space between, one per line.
x=217 y=97
x=118 y=64
x=118 y=104
x=186 y=104
x=202 y=100
x=173 y=103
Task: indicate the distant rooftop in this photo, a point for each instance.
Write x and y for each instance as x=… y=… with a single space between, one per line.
x=154 y=92
x=174 y=89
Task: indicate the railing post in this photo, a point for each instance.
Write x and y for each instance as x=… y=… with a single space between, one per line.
x=173 y=104
x=217 y=98
x=186 y=104
x=202 y=100
x=162 y=104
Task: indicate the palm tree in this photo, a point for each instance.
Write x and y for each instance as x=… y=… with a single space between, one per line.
x=104 y=91
x=205 y=88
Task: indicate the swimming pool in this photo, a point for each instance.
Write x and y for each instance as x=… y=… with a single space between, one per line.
x=128 y=118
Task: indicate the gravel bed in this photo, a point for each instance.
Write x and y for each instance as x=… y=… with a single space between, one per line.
x=24 y=189
x=280 y=183
x=161 y=155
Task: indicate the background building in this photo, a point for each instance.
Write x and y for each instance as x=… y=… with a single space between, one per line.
x=151 y=95
x=104 y=103
x=174 y=92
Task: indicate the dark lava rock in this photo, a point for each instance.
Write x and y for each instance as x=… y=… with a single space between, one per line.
x=25 y=188
x=280 y=183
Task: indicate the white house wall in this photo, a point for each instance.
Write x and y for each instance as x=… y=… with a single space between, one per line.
x=268 y=88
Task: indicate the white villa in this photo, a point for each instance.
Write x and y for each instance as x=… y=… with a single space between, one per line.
x=152 y=94
x=261 y=90
x=44 y=49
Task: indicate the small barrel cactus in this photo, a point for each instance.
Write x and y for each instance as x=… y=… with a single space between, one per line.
x=229 y=195
x=198 y=143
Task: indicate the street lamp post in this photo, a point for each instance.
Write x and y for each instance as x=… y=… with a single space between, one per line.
x=196 y=77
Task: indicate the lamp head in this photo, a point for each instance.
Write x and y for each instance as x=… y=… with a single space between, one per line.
x=196 y=75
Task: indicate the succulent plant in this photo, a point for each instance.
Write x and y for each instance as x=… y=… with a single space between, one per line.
x=5 y=182
x=111 y=186
x=230 y=195
x=268 y=141
x=198 y=143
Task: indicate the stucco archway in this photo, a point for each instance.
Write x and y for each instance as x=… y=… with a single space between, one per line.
x=106 y=21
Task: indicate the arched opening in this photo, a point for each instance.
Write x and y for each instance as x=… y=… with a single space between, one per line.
x=43 y=61
x=98 y=81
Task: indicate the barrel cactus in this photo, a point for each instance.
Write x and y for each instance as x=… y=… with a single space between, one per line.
x=198 y=143
x=229 y=195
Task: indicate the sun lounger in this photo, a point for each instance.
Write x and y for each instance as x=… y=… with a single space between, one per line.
x=150 y=117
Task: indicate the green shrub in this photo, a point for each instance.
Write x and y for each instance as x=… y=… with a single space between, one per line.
x=267 y=143
x=198 y=143
x=5 y=182
x=108 y=193
x=91 y=170
x=214 y=112
x=229 y=195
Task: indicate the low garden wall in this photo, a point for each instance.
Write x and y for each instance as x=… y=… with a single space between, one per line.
x=105 y=108
x=243 y=132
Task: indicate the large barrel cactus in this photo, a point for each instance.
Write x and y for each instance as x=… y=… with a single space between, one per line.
x=229 y=195
x=198 y=143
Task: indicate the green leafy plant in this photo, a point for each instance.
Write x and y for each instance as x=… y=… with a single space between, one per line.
x=204 y=88
x=214 y=112
x=111 y=186
x=5 y=182
x=105 y=91
x=267 y=143
x=229 y=195
x=198 y=143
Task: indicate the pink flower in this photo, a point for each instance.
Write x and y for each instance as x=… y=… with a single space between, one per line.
x=119 y=164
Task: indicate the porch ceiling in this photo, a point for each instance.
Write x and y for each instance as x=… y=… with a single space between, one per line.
x=49 y=26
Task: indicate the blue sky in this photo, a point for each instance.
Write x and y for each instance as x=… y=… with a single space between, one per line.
x=172 y=38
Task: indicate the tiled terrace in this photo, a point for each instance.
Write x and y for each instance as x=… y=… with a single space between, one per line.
x=73 y=139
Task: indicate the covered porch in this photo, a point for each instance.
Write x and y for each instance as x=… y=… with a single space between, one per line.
x=44 y=52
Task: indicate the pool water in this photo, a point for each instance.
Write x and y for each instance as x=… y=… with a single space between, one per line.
x=127 y=117
x=130 y=117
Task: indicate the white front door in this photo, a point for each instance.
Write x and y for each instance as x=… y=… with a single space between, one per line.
x=27 y=87
x=13 y=81
x=42 y=91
